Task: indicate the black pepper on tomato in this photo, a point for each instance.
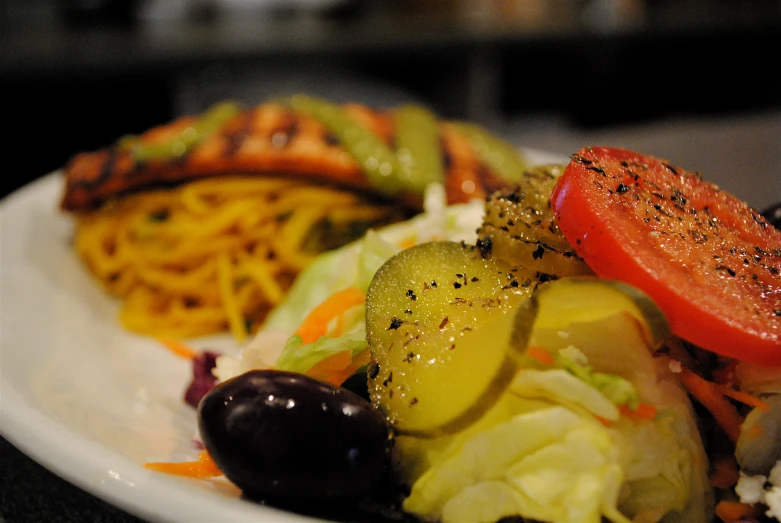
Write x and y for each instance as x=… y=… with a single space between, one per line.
x=711 y=262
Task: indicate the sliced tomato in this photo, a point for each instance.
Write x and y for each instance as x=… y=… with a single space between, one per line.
x=709 y=260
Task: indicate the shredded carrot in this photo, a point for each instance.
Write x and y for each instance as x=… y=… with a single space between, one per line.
x=744 y=397
x=643 y=411
x=179 y=348
x=406 y=244
x=341 y=323
x=316 y=322
x=734 y=511
x=335 y=369
x=711 y=397
x=203 y=468
x=541 y=355
x=604 y=421
x=724 y=471
x=333 y=363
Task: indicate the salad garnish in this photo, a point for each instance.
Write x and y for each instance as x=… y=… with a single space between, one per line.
x=611 y=411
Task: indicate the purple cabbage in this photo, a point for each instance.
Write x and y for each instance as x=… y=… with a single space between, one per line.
x=203 y=380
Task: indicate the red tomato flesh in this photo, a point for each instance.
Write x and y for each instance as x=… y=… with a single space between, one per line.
x=709 y=260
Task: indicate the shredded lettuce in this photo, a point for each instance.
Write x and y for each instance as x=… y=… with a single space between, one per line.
x=556 y=448
x=294 y=358
x=548 y=464
x=617 y=389
x=565 y=389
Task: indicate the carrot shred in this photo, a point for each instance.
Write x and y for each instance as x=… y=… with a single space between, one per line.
x=341 y=323
x=643 y=411
x=711 y=397
x=406 y=244
x=744 y=397
x=316 y=323
x=203 y=468
x=333 y=363
x=335 y=369
x=541 y=355
x=179 y=348
x=724 y=471
x=734 y=511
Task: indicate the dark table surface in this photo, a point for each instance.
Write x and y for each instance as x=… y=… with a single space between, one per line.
x=29 y=493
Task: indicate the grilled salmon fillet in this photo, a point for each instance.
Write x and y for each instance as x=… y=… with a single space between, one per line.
x=268 y=139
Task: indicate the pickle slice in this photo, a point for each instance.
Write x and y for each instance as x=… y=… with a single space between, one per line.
x=554 y=314
x=520 y=228
x=603 y=320
x=439 y=320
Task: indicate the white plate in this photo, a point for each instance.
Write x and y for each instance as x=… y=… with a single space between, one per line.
x=85 y=398
x=81 y=396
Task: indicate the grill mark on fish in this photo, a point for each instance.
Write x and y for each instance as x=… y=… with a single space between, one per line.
x=108 y=167
x=105 y=171
x=245 y=145
x=281 y=137
x=331 y=139
x=447 y=159
x=236 y=138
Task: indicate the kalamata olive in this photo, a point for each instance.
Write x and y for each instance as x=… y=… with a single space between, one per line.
x=358 y=383
x=773 y=215
x=282 y=436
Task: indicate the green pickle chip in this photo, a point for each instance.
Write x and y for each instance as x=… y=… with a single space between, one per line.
x=448 y=329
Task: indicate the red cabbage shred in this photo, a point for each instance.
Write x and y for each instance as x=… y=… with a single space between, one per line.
x=203 y=380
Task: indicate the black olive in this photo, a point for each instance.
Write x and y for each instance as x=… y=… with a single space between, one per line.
x=282 y=437
x=358 y=383
x=773 y=215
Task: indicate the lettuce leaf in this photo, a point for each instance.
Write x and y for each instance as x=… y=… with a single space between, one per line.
x=557 y=448
x=549 y=464
x=296 y=358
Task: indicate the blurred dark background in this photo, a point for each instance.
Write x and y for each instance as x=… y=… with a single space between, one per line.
x=77 y=74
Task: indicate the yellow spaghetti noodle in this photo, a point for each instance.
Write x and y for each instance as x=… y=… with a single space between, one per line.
x=215 y=254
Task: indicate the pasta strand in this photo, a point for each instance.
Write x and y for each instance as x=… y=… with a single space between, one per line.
x=216 y=254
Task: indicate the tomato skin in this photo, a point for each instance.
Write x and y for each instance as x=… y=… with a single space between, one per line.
x=710 y=261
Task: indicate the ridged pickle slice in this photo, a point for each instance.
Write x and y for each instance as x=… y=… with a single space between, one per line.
x=439 y=319
x=520 y=228
x=587 y=312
